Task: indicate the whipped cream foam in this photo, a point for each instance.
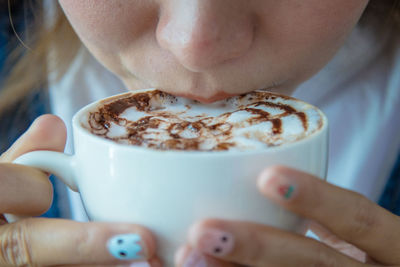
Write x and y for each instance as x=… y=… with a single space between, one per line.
x=158 y=120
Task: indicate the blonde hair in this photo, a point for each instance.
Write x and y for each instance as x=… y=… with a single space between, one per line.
x=29 y=67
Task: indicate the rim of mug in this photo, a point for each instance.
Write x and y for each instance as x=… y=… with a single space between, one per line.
x=77 y=126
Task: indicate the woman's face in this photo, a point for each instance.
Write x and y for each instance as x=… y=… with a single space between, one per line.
x=210 y=49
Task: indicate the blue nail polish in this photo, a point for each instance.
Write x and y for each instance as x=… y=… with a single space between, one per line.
x=125 y=247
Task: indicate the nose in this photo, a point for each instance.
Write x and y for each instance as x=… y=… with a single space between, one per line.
x=203 y=33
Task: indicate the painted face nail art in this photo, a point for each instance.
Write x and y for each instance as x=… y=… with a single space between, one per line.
x=126 y=247
x=216 y=242
x=286 y=191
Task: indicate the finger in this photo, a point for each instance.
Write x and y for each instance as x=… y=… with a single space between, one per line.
x=188 y=257
x=258 y=245
x=154 y=262
x=24 y=190
x=47 y=132
x=50 y=242
x=328 y=238
x=349 y=215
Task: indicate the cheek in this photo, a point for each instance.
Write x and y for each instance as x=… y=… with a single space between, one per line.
x=314 y=17
x=108 y=25
x=331 y=22
x=307 y=33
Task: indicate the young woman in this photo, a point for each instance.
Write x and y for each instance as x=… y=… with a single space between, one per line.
x=343 y=56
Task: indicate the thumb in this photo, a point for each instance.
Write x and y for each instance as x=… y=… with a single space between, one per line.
x=47 y=132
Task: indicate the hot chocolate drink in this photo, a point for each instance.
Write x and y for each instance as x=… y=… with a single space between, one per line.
x=158 y=120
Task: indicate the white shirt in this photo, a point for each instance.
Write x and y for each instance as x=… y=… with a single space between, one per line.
x=85 y=81
x=359 y=91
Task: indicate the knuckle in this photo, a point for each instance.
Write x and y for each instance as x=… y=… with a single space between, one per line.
x=84 y=239
x=363 y=219
x=14 y=245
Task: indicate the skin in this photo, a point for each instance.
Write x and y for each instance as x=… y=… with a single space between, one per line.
x=205 y=50
x=28 y=192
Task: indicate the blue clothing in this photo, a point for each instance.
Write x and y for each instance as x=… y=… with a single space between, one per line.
x=390 y=198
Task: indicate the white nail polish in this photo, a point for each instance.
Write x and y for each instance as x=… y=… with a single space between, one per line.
x=140 y=264
x=126 y=247
x=195 y=259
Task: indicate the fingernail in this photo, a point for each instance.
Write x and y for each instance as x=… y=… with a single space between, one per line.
x=277 y=185
x=180 y=255
x=215 y=242
x=186 y=257
x=126 y=247
x=195 y=259
x=140 y=264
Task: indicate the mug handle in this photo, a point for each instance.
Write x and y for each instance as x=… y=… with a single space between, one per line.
x=57 y=163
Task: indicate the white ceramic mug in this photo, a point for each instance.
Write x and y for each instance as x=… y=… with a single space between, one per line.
x=167 y=191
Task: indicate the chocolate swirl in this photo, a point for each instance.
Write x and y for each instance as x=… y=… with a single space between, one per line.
x=167 y=122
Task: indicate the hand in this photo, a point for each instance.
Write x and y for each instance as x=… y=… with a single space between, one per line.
x=354 y=231
x=25 y=191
